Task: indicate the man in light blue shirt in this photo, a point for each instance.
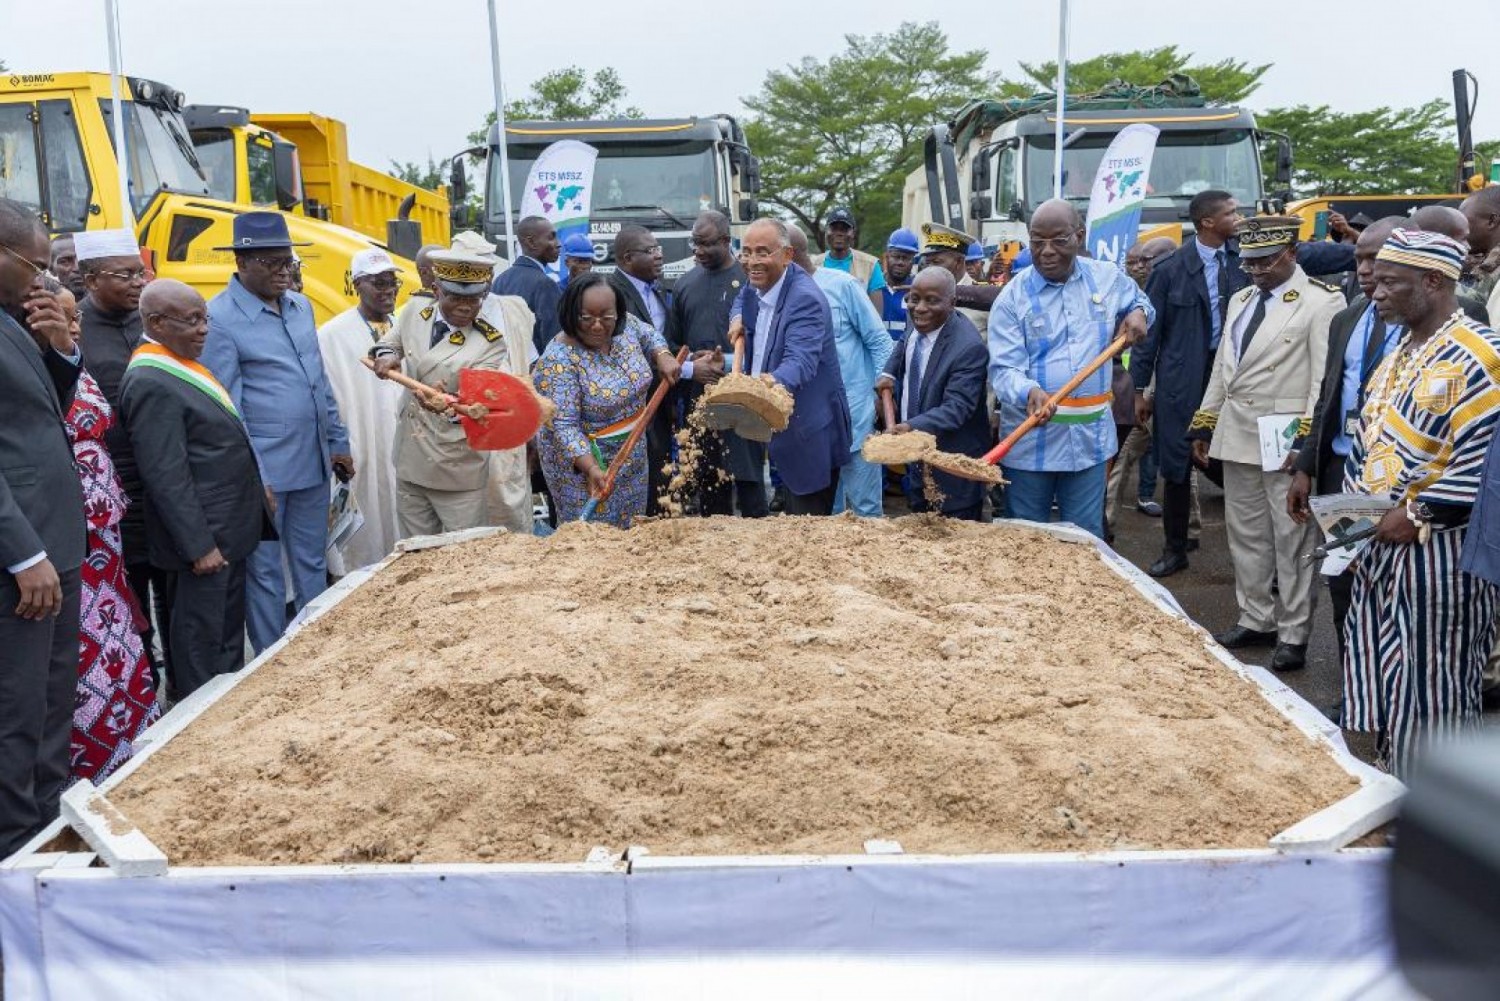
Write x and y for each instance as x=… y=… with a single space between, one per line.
x=262 y=346
x=1046 y=326
x=863 y=347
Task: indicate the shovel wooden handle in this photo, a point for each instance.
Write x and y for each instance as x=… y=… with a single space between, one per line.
x=402 y=379
x=623 y=455
x=887 y=407
x=997 y=453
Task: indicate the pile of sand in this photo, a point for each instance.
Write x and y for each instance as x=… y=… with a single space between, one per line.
x=730 y=686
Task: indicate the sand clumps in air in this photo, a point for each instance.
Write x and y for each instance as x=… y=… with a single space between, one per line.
x=724 y=686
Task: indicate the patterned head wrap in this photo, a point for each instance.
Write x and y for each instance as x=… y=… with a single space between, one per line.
x=1426 y=251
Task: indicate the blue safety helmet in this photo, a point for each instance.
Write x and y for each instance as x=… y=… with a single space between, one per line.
x=976 y=253
x=578 y=245
x=903 y=239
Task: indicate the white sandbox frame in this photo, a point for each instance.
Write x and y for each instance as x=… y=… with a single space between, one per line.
x=1303 y=916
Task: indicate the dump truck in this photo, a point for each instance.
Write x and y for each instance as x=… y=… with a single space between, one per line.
x=300 y=163
x=57 y=154
x=987 y=169
x=657 y=173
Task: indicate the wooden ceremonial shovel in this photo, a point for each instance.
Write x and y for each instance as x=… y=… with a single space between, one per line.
x=974 y=469
x=623 y=455
x=496 y=409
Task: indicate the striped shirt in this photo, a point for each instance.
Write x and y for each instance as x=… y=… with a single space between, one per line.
x=1041 y=334
x=1431 y=439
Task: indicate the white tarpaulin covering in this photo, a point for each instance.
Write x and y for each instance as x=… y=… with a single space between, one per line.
x=1128 y=925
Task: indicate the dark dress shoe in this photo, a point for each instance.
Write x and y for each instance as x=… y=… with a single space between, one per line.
x=1192 y=545
x=1289 y=657
x=1169 y=563
x=1240 y=637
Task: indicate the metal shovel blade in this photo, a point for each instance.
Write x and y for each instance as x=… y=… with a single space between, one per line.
x=514 y=413
x=737 y=418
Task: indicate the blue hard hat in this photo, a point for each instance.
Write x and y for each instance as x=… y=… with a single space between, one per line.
x=578 y=245
x=1023 y=260
x=976 y=253
x=903 y=239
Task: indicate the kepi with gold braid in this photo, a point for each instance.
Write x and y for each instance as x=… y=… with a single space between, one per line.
x=1264 y=235
x=936 y=237
x=461 y=273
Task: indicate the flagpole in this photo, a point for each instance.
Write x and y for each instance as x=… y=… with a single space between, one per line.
x=1062 y=97
x=122 y=157
x=510 y=234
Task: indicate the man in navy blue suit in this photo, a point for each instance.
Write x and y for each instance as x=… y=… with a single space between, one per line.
x=936 y=375
x=528 y=278
x=787 y=333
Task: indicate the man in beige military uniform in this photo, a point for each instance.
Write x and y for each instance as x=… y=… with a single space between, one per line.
x=1270 y=361
x=443 y=485
x=947 y=248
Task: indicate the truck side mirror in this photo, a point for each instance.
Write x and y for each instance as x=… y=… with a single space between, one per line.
x=749 y=208
x=752 y=175
x=458 y=182
x=1283 y=162
x=1017 y=212
x=288 y=168
x=981 y=205
x=979 y=173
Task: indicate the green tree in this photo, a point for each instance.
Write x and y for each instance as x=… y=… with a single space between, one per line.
x=1228 y=81
x=566 y=94
x=431 y=176
x=847 y=131
x=1395 y=150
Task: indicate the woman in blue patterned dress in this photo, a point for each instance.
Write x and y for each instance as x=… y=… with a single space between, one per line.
x=598 y=373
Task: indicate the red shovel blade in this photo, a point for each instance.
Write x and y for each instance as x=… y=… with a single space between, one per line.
x=514 y=411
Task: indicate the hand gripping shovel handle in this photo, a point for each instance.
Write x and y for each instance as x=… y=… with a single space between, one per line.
x=997 y=453
x=402 y=379
x=623 y=455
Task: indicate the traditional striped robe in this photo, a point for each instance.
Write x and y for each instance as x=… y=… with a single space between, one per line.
x=1419 y=630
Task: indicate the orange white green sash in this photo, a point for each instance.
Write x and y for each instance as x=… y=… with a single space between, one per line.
x=150 y=355
x=1082 y=409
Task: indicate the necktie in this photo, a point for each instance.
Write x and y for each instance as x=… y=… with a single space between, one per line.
x=439 y=330
x=1223 y=305
x=914 y=375
x=1255 y=322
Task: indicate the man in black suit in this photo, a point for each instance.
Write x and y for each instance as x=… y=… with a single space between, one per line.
x=638 y=277
x=527 y=277
x=936 y=374
x=43 y=537
x=731 y=469
x=205 y=503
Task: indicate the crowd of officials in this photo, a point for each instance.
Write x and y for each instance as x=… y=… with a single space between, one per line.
x=179 y=476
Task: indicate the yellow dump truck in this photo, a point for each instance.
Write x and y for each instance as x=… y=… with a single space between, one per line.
x=300 y=164
x=57 y=154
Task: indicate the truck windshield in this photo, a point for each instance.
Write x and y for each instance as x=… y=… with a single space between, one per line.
x=645 y=182
x=1185 y=164
x=215 y=148
x=161 y=157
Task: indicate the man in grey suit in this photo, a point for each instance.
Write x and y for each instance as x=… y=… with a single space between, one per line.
x=205 y=505
x=263 y=347
x=42 y=534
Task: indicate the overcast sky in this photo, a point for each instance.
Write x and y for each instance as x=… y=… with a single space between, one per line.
x=412 y=78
